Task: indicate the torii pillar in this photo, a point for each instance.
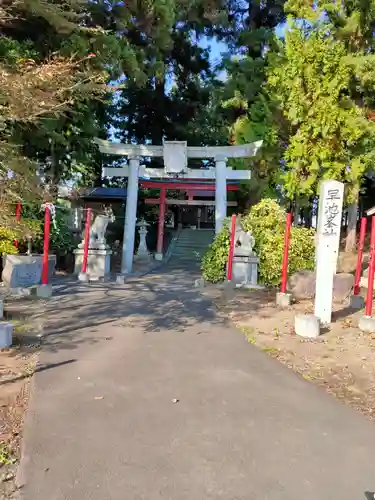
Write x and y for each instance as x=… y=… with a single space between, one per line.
x=175 y=155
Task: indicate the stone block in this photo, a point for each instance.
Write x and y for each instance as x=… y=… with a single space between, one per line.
x=22 y=271
x=98 y=262
x=307 y=325
x=367 y=324
x=6 y=335
x=283 y=299
x=357 y=302
x=44 y=291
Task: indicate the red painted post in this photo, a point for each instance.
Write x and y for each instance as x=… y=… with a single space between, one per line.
x=18 y=210
x=87 y=240
x=371 y=270
x=361 y=243
x=160 y=242
x=284 y=274
x=18 y=218
x=47 y=230
x=231 y=248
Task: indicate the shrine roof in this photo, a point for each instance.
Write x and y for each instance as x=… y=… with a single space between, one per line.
x=103 y=192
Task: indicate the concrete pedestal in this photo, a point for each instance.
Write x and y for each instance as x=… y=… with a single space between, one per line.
x=357 y=302
x=6 y=335
x=98 y=262
x=283 y=299
x=307 y=325
x=245 y=270
x=367 y=324
x=120 y=279
x=84 y=277
x=44 y=291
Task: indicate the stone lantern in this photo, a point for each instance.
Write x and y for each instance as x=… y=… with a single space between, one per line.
x=142 y=255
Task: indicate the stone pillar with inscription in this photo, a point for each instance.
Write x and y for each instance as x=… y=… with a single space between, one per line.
x=327 y=249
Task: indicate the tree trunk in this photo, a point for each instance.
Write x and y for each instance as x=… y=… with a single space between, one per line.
x=296 y=212
x=351 y=235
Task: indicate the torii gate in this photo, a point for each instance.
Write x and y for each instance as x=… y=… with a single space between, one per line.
x=175 y=155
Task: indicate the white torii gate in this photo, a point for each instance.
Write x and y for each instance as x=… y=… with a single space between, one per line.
x=175 y=155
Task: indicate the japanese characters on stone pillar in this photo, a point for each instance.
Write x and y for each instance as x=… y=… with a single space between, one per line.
x=328 y=239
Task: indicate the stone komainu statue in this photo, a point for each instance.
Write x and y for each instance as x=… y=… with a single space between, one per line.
x=99 y=228
x=243 y=241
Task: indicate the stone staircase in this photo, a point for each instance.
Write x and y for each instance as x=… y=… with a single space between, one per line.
x=191 y=245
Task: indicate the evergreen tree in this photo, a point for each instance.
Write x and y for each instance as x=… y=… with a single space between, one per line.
x=178 y=98
x=316 y=81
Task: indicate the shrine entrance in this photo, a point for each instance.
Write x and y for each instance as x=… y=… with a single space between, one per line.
x=199 y=217
x=177 y=176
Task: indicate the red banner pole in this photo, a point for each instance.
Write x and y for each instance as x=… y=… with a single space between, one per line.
x=47 y=230
x=87 y=240
x=284 y=273
x=371 y=270
x=361 y=243
x=18 y=218
x=231 y=248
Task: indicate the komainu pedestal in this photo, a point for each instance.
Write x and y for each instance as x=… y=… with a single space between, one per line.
x=98 y=262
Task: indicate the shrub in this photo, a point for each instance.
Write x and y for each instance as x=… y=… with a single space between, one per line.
x=215 y=259
x=266 y=221
x=7 y=237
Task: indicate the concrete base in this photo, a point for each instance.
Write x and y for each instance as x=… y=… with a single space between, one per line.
x=84 y=277
x=44 y=291
x=229 y=285
x=158 y=256
x=283 y=299
x=120 y=279
x=199 y=283
x=6 y=335
x=357 y=302
x=367 y=324
x=307 y=325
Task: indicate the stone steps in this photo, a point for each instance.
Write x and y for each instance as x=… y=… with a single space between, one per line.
x=191 y=245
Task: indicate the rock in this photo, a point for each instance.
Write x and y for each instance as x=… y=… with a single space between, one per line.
x=342 y=285
x=302 y=284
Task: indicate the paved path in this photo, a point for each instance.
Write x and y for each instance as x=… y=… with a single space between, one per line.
x=102 y=424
